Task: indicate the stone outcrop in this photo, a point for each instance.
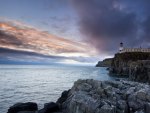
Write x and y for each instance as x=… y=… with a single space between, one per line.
x=133 y=65
x=31 y=107
x=92 y=96
x=26 y=107
x=50 y=108
x=140 y=71
x=105 y=63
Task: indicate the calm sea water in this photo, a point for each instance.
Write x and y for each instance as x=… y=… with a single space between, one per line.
x=41 y=84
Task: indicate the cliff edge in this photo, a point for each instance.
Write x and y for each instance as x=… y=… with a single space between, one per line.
x=134 y=65
x=105 y=63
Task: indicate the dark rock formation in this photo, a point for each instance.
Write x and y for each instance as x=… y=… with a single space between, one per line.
x=30 y=106
x=104 y=63
x=50 y=108
x=133 y=65
x=27 y=112
x=63 y=97
x=140 y=71
x=92 y=96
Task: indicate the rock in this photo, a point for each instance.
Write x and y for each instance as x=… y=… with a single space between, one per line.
x=134 y=106
x=30 y=106
x=147 y=108
x=140 y=71
x=27 y=112
x=141 y=95
x=139 y=111
x=50 y=108
x=81 y=102
x=106 y=109
x=63 y=97
x=122 y=105
x=84 y=87
x=107 y=97
x=148 y=97
x=135 y=66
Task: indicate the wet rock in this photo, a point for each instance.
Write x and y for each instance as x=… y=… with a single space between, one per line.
x=30 y=106
x=50 y=108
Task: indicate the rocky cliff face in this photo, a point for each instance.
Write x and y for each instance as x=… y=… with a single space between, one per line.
x=140 y=71
x=134 y=65
x=104 y=63
x=91 y=96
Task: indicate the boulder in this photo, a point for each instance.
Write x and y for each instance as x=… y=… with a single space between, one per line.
x=27 y=112
x=29 y=106
x=50 y=108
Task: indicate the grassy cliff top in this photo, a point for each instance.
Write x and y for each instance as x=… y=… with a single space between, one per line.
x=132 y=56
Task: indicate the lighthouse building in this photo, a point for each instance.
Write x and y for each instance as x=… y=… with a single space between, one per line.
x=123 y=50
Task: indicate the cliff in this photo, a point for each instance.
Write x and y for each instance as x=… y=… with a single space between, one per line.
x=140 y=71
x=133 y=65
x=105 y=63
x=92 y=96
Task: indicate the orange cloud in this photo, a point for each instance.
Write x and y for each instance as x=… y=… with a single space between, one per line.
x=15 y=35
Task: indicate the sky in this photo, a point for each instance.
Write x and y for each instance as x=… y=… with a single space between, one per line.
x=71 y=31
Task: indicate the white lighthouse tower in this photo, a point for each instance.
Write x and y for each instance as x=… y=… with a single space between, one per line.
x=121 y=47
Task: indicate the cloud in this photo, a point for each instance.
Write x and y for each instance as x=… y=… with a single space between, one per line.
x=106 y=23
x=10 y=56
x=22 y=37
x=21 y=43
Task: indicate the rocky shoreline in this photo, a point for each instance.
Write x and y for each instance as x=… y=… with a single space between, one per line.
x=93 y=96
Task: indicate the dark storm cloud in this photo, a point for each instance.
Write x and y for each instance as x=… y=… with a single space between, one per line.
x=146 y=25
x=106 y=23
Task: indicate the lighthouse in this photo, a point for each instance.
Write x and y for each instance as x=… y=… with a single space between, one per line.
x=121 y=47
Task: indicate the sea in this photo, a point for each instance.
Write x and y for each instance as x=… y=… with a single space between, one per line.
x=42 y=83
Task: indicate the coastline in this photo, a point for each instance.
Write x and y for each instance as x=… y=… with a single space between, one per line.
x=110 y=96
x=93 y=96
